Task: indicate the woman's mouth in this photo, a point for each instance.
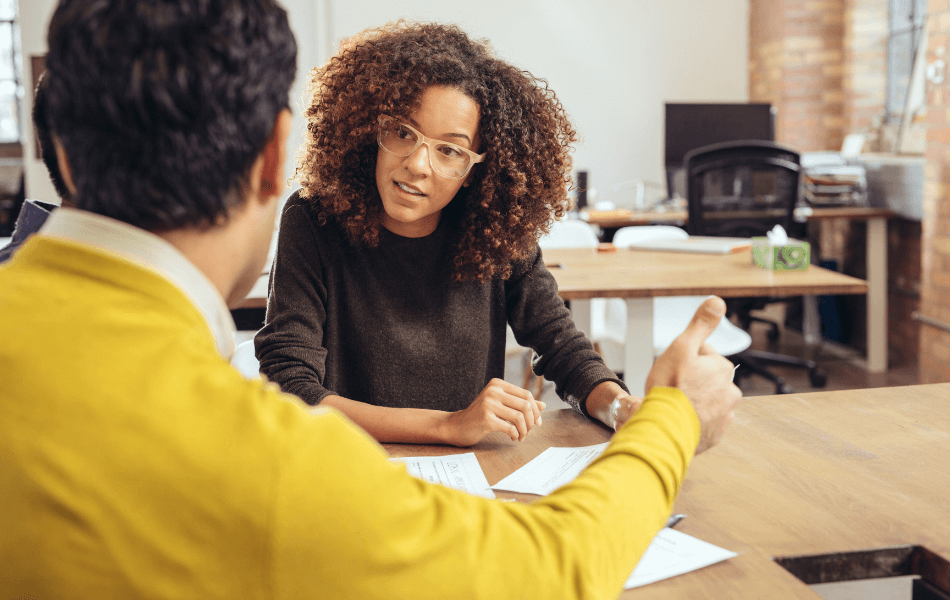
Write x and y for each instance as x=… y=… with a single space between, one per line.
x=408 y=189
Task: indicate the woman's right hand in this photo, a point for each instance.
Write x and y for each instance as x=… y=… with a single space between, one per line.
x=501 y=406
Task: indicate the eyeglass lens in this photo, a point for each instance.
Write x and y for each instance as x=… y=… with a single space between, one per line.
x=447 y=159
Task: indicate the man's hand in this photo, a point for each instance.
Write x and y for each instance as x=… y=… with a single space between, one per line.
x=501 y=406
x=705 y=376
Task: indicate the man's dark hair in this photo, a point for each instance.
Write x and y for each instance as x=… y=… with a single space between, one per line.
x=45 y=137
x=162 y=106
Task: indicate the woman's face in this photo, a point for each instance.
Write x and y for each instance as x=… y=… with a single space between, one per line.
x=413 y=194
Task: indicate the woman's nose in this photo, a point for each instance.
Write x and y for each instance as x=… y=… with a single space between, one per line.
x=418 y=161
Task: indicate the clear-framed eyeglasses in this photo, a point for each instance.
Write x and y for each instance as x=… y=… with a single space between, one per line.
x=446 y=159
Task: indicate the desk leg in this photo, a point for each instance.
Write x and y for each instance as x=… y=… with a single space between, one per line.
x=877 y=295
x=638 y=346
x=811 y=324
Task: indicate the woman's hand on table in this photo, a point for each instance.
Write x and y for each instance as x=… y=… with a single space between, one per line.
x=501 y=406
x=611 y=404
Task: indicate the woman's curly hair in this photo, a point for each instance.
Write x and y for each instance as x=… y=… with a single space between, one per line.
x=513 y=196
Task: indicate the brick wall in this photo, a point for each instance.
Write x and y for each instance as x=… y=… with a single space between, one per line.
x=823 y=65
x=766 y=55
x=865 y=66
x=935 y=239
x=903 y=283
x=796 y=54
x=864 y=97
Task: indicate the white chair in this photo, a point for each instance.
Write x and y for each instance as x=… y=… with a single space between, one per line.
x=671 y=314
x=572 y=233
x=569 y=233
x=245 y=361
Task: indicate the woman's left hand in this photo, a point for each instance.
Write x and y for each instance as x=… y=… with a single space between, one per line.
x=612 y=405
x=501 y=406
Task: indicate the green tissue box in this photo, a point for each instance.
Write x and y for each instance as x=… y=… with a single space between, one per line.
x=794 y=256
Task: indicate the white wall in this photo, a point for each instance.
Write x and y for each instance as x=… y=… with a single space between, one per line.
x=34 y=22
x=613 y=63
x=34 y=19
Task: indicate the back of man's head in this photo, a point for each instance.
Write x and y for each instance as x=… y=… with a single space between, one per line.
x=45 y=137
x=162 y=106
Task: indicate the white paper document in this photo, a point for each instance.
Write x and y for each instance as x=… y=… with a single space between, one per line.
x=673 y=553
x=457 y=471
x=550 y=470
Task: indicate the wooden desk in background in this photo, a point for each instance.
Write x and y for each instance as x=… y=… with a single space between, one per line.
x=800 y=474
x=876 y=261
x=638 y=276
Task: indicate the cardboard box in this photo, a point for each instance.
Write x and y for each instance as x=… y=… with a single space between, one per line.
x=794 y=256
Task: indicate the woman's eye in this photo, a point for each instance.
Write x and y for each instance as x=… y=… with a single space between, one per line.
x=403 y=133
x=450 y=151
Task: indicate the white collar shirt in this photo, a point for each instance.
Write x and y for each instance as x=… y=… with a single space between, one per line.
x=151 y=252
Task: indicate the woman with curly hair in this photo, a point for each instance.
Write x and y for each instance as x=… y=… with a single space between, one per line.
x=430 y=169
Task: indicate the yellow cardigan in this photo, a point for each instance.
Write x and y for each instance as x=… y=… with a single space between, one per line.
x=135 y=462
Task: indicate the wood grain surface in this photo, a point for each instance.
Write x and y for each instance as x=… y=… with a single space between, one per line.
x=797 y=474
x=578 y=288
x=627 y=273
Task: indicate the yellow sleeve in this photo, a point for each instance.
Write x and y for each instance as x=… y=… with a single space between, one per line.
x=350 y=524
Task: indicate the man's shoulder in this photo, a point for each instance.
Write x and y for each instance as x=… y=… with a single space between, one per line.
x=32 y=216
x=6 y=252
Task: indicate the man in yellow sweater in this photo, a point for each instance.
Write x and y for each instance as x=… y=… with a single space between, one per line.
x=135 y=462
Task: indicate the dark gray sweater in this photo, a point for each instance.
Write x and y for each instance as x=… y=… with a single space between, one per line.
x=388 y=325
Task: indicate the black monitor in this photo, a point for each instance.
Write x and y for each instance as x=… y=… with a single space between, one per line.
x=691 y=126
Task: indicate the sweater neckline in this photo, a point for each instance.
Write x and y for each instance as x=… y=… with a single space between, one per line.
x=436 y=238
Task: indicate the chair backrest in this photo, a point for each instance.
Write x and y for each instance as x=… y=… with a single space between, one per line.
x=672 y=314
x=245 y=361
x=647 y=233
x=569 y=234
x=742 y=189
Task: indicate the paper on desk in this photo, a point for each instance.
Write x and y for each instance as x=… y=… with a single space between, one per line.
x=457 y=471
x=550 y=470
x=673 y=553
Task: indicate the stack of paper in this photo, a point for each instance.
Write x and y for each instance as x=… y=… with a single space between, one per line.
x=673 y=553
x=670 y=553
x=550 y=470
x=457 y=471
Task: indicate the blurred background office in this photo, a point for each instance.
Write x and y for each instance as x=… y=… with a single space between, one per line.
x=612 y=64
x=829 y=68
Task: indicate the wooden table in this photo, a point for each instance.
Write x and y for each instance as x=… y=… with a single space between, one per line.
x=876 y=261
x=638 y=276
x=800 y=474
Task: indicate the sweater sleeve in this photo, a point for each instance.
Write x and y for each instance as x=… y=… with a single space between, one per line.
x=290 y=345
x=541 y=321
x=361 y=527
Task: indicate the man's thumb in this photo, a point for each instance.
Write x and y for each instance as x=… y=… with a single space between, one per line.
x=704 y=322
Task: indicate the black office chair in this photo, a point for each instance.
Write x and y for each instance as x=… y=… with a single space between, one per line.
x=744 y=189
